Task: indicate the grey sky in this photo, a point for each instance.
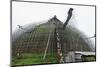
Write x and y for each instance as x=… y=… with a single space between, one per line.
x=25 y=13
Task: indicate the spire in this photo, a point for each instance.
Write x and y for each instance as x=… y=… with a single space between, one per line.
x=55 y=18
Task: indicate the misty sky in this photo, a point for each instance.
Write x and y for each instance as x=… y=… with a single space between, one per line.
x=26 y=13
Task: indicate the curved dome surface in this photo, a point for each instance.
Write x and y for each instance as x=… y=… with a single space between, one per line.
x=71 y=38
x=40 y=39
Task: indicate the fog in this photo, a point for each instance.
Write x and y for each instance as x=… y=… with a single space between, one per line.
x=24 y=13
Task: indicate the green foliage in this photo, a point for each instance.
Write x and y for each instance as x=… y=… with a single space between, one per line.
x=88 y=58
x=35 y=58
